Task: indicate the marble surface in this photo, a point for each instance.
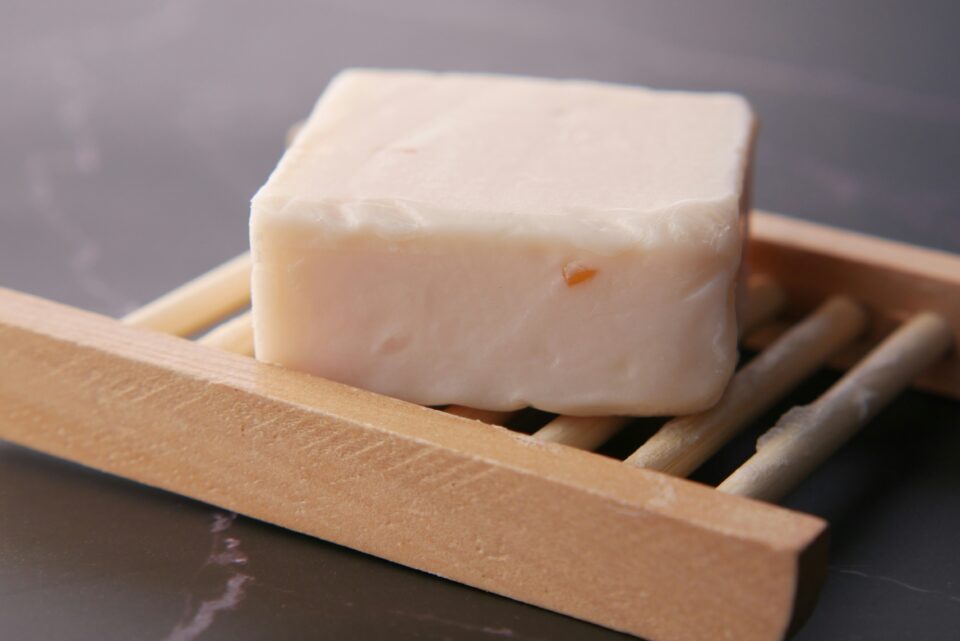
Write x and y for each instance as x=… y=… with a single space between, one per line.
x=134 y=133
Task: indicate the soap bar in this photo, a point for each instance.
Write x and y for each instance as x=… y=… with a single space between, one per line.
x=502 y=242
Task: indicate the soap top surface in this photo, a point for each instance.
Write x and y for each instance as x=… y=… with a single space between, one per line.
x=404 y=151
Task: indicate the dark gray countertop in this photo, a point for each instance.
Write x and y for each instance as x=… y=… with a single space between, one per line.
x=134 y=133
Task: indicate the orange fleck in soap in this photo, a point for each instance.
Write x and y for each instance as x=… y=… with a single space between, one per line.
x=575 y=273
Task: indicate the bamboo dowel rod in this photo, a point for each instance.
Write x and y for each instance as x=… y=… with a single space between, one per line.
x=235 y=335
x=806 y=436
x=684 y=443
x=582 y=432
x=200 y=302
x=764 y=301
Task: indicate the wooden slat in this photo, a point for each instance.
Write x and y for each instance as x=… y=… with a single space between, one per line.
x=199 y=303
x=582 y=432
x=234 y=335
x=805 y=436
x=893 y=280
x=684 y=443
x=630 y=549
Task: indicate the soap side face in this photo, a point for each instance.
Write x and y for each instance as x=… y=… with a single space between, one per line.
x=498 y=303
x=500 y=323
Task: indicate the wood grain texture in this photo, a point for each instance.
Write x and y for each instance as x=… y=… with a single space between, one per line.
x=892 y=280
x=567 y=530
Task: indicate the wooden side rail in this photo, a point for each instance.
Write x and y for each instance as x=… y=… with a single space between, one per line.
x=892 y=280
x=571 y=531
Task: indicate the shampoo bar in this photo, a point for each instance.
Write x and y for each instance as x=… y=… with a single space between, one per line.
x=502 y=242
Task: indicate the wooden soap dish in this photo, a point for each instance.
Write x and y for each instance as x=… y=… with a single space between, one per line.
x=624 y=544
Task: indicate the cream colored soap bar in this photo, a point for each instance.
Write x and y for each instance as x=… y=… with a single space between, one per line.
x=502 y=242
